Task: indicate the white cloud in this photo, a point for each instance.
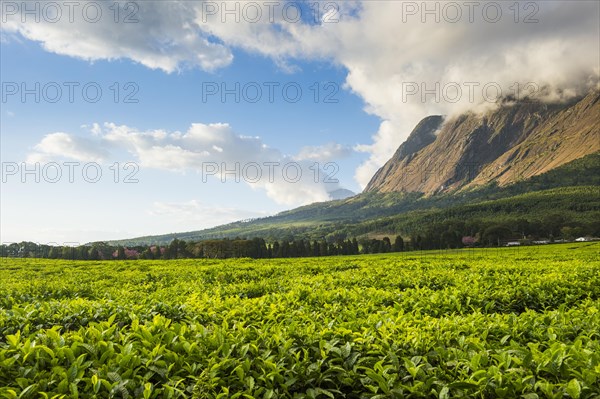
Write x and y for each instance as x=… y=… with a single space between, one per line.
x=385 y=139
x=60 y=145
x=157 y=34
x=214 y=151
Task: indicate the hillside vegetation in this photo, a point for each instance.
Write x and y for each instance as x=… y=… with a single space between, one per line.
x=567 y=196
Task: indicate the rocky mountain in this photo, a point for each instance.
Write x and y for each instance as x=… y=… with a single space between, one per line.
x=514 y=142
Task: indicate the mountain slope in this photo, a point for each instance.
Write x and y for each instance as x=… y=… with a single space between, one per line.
x=374 y=212
x=422 y=136
x=514 y=142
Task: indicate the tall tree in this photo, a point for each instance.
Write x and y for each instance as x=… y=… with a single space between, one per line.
x=398 y=244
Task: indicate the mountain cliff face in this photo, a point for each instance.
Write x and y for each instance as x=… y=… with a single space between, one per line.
x=512 y=143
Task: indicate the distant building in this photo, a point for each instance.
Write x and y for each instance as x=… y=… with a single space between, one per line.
x=469 y=241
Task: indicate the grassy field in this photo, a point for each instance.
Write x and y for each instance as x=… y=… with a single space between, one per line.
x=487 y=323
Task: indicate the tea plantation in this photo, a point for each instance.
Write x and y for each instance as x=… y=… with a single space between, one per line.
x=490 y=323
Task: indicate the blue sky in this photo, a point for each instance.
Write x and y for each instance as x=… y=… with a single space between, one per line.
x=169 y=101
x=175 y=51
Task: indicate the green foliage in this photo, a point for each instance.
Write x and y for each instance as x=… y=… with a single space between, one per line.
x=501 y=323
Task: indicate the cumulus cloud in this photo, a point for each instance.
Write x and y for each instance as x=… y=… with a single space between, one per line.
x=406 y=60
x=214 y=151
x=62 y=145
x=157 y=34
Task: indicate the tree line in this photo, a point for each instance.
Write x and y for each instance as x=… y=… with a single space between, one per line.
x=256 y=248
x=446 y=234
